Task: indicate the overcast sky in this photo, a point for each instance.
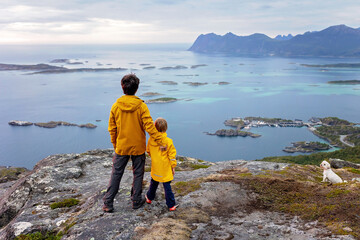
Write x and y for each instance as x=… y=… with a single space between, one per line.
x=165 y=21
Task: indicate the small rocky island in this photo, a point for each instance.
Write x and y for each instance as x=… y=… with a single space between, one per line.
x=345 y=82
x=51 y=124
x=338 y=132
x=162 y=100
x=168 y=82
x=151 y=94
x=174 y=68
x=195 y=84
x=50 y=69
x=334 y=65
x=233 y=133
x=198 y=65
x=307 y=147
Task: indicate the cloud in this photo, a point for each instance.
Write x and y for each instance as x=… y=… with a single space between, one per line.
x=159 y=21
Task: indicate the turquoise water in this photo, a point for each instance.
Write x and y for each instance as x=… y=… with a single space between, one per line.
x=268 y=87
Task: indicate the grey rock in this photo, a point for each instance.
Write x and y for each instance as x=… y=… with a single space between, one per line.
x=338 y=163
x=25 y=206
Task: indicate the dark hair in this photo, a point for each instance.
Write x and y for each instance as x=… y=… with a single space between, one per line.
x=161 y=125
x=130 y=84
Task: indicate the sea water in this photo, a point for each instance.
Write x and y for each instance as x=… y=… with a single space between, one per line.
x=266 y=87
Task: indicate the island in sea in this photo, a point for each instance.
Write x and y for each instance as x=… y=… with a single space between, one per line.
x=345 y=82
x=307 y=147
x=338 y=132
x=50 y=69
x=51 y=124
x=162 y=100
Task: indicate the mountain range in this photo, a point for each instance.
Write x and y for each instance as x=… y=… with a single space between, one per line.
x=334 y=41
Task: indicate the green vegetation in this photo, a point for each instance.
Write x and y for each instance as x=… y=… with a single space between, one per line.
x=10 y=174
x=39 y=236
x=235 y=122
x=332 y=133
x=354 y=138
x=334 y=121
x=198 y=166
x=347 y=154
x=69 y=202
x=298 y=190
x=345 y=82
x=307 y=147
x=268 y=120
x=184 y=188
x=353 y=170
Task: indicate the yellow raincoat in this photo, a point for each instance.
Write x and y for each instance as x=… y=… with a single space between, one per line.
x=129 y=119
x=162 y=162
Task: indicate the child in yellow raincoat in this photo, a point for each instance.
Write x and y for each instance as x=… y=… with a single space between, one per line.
x=162 y=165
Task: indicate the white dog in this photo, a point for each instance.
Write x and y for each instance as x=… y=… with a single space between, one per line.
x=329 y=175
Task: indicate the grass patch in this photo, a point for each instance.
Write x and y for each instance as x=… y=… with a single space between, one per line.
x=336 y=193
x=10 y=174
x=69 y=202
x=39 y=236
x=353 y=170
x=351 y=154
x=198 y=166
x=184 y=188
x=297 y=190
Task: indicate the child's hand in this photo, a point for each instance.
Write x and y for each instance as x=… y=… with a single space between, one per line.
x=173 y=171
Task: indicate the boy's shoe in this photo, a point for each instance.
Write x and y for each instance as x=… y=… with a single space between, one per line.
x=108 y=209
x=147 y=200
x=173 y=208
x=138 y=204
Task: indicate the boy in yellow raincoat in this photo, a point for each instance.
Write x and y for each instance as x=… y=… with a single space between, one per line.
x=163 y=165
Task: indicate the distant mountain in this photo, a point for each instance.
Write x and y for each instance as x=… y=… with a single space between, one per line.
x=334 y=41
x=284 y=37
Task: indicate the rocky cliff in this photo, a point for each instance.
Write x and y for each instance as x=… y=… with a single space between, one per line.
x=62 y=198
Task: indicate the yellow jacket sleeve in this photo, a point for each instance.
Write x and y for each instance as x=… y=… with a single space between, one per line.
x=147 y=147
x=112 y=127
x=149 y=126
x=172 y=154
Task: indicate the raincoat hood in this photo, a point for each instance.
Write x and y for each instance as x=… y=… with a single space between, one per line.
x=129 y=103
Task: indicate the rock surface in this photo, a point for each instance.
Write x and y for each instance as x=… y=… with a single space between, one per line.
x=338 y=163
x=214 y=210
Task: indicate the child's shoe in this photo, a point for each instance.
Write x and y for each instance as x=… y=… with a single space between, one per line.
x=173 y=208
x=147 y=200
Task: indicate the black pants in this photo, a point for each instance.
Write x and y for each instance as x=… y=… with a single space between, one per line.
x=119 y=164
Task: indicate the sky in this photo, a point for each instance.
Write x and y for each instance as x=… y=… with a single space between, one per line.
x=164 y=21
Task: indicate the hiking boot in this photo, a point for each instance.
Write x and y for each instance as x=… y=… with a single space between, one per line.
x=173 y=208
x=138 y=204
x=147 y=200
x=108 y=209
